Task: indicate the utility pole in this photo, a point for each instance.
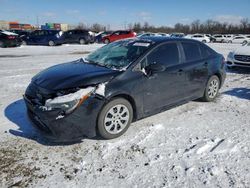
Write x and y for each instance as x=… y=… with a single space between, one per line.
x=37 y=21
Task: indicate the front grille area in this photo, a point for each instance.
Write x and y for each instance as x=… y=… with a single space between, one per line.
x=243 y=64
x=37 y=95
x=243 y=58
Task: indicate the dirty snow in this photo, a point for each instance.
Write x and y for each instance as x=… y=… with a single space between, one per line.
x=194 y=145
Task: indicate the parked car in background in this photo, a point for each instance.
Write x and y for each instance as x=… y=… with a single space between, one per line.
x=44 y=37
x=78 y=36
x=239 y=40
x=247 y=36
x=228 y=38
x=239 y=57
x=21 y=33
x=200 y=37
x=9 y=39
x=162 y=34
x=177 y=35
x=118 y=35
x=119 y=83
x=141 y=35
x=99 y=36
x=219 y=38
x=212 y=39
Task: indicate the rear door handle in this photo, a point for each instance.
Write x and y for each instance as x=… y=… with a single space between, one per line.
x=205 y=64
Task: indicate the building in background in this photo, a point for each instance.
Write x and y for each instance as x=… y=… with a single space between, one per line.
x=64 y=27
x=55 y=26
x=4 y=25
x=15 y=25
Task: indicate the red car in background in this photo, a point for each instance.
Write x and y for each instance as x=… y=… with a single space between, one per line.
x=118 y=35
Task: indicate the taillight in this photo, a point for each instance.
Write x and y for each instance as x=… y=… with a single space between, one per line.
x=11 y=37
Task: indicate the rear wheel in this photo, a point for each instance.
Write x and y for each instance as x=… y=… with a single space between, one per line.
x=1 y=44
x=115 y=118
x=82 y=41
x=212 y=89
x=229 y=41
x=51 y=43
x=244 y=42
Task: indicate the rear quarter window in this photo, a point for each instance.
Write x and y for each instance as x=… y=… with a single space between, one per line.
x=191 y=51
x=206 y=51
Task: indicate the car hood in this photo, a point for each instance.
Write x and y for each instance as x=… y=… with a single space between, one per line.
x=73 y=74
x=244 y=50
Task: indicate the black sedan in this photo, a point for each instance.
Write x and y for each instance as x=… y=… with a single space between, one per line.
x=9 y=39
x=120 y=83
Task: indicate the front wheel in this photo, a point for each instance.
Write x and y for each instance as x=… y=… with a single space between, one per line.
x=212 y=89
x=115 y=118
x=106 y=41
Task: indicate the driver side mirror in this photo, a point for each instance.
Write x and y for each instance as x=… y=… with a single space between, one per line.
x=154 y=68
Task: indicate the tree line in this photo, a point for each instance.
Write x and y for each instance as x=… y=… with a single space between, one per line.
x=209 y=27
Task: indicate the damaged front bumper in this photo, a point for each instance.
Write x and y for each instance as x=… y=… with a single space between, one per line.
x=71 y=127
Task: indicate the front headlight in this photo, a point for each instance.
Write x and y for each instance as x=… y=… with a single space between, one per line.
x=68 y=103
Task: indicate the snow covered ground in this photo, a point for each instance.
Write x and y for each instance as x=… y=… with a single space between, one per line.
x=194 y=145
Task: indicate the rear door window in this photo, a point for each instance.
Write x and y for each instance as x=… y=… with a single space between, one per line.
x=166 y=54
x=191 y=51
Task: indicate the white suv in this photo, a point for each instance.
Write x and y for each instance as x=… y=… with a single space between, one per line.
x=240 y=57
x=200 y=37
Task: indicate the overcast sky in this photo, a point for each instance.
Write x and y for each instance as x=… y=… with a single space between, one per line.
x=116 y=13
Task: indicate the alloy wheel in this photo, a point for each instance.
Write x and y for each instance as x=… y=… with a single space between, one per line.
x=213 y=88
x=116 y=119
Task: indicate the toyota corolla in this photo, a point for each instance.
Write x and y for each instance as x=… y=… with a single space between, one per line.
x=120 y=83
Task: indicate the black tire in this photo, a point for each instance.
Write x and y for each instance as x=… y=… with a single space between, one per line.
x=230 y=41
x=204 y=41
x=1 y=44
x=208 y=97
x=51 y=43
x=82 y=41
x=101 y=126
x=106 y=41
x=24 y=43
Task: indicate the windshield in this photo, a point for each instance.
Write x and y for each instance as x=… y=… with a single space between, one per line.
x=118 y=55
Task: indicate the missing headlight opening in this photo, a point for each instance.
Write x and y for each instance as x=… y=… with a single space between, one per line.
x=68 y=103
